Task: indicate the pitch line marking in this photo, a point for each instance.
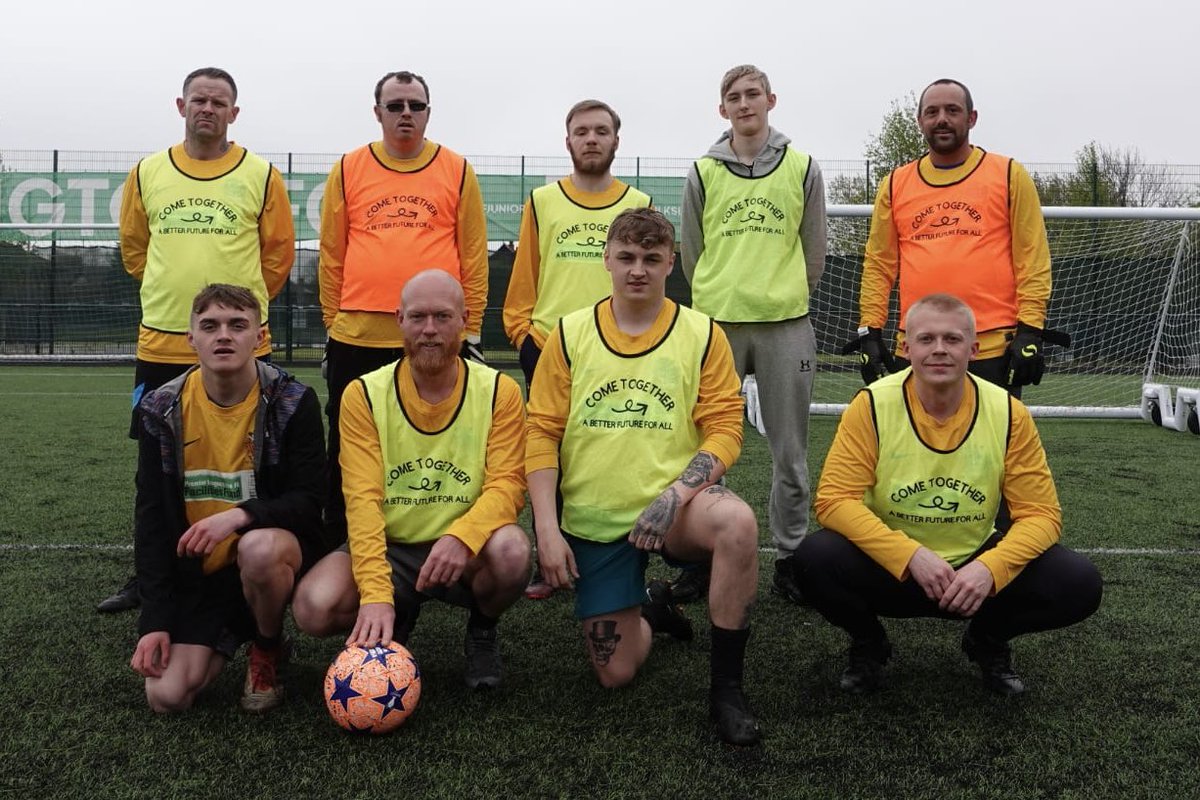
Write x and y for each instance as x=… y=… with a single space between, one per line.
x=65 y=394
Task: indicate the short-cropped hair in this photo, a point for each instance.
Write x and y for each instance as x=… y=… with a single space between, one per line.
x=967 y=99
x=645 y=227
x=945 y=303
x=228 y=295
x=403 y=76
x=216 y=73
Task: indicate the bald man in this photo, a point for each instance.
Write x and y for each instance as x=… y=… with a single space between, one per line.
x=433 y=476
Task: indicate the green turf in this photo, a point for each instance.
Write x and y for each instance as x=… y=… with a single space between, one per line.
x=1112 y=711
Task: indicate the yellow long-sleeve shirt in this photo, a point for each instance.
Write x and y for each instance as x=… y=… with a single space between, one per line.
x=718 y=410
x=1030 y=251
x=372 y=329
x=523 y=283
x=361 y=459
x=276 y=237
x=1028 y=486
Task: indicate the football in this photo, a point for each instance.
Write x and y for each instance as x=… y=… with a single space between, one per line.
x=373 y=689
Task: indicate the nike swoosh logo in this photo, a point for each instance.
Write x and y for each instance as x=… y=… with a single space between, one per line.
x=193 y=441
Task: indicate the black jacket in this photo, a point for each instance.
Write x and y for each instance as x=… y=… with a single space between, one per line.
x=290 y=482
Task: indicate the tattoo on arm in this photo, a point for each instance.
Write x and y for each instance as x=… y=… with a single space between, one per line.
x=719 y=491
x=658 y=517
x=602 y=641
x=699 y=471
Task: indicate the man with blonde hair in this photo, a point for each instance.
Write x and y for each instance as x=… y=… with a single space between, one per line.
x=909 y=496
x=753 y=248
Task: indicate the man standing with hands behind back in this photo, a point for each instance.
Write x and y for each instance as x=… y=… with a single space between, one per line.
x=204 y=211
x=392 y=208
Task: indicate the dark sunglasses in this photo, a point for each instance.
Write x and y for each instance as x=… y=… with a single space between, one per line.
x=415 y=106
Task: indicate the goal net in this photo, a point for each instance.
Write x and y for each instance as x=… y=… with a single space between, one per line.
x=1126 y=287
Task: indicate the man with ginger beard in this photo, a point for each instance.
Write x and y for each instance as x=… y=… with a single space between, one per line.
x=432 y=469
x=559 y=265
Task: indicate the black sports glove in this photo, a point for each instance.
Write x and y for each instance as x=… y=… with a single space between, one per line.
x=1025 y=360
x=876 y=360
x=471 y=352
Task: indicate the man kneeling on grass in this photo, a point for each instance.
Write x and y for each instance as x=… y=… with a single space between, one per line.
x=636 y=404
x=431 y=471
x=908 y=497
x=231 y=464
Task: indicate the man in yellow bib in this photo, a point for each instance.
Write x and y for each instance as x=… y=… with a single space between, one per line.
x=205 y=211
x=559 y=266
x=909 y=495
x=967 y=222
x=636 y=408
x=753 y=248
x=432 y=449
x=391 y=209
x=231 y=459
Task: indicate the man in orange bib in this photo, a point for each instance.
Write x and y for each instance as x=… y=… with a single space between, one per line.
x=967 y=222
x=391 y=209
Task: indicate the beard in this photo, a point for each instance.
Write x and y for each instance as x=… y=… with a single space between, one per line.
x=595 y=165
x=431 y=360
x=942 y=146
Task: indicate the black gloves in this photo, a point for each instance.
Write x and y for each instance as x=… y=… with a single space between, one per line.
x=1025 y=360
x=876 y=359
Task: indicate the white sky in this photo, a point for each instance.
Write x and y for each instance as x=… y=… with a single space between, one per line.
x=1047 y=76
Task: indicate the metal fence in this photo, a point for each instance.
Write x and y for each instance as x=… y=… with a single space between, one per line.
x=64 y=293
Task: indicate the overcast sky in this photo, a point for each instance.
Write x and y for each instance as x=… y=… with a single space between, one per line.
x=1047 y=76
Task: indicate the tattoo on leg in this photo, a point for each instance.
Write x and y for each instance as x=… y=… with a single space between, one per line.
x=602 y=641
x=719 y=491
x=699 y=470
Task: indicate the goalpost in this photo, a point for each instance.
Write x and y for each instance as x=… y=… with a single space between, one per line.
x=1126 y=287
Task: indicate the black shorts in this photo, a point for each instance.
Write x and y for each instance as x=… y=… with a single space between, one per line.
x=406 y=561
x=215 y=614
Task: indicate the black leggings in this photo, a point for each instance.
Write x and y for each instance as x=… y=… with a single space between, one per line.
x=1056 y=589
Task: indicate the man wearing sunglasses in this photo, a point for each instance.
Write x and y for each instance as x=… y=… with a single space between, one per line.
x=391 y=209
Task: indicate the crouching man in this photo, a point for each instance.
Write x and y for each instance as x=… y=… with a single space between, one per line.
x=635 y=413
x=908 y=500
x=231 y=465
x=431 y=456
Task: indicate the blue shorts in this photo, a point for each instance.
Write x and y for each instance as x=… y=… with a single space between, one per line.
x=612 y=575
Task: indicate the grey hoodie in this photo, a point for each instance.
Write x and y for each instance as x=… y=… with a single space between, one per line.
x=812 y=224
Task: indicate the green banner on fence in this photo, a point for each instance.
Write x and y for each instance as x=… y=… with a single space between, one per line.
x=85 y=198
